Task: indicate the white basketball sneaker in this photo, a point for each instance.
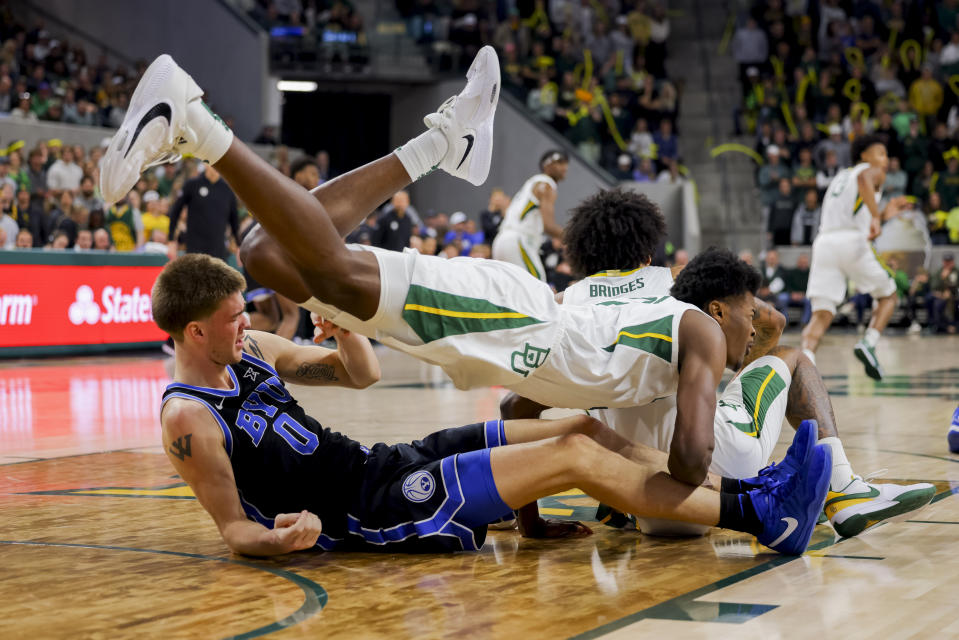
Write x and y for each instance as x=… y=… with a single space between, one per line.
x=466 y=120
x=166 y=119
x=861 y=505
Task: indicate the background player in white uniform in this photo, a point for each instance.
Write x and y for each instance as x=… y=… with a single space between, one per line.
x=776 y=382
x=842 y=250
x=531 y=213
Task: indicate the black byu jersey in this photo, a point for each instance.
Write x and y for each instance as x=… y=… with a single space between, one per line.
x=284 y=461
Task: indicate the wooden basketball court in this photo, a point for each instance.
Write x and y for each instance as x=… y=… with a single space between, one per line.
x=99 y=538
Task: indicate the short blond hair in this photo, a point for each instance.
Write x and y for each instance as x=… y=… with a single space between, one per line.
x=191 y=288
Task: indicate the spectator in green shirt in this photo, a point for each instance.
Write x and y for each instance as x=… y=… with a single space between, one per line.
x=794 y=293
x=948 y=184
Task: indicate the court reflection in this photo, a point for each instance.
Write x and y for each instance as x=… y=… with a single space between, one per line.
x=61 y=405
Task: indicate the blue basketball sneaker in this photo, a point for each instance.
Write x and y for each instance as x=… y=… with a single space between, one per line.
x=789 y=509
x=796 y=456
x=954 y=432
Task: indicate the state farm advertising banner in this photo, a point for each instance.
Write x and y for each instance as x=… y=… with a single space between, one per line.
x=45 y=304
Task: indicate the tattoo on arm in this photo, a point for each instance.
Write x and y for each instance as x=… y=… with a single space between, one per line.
x=251 y=347
x=317 y=371
x=181 y=447
x=768 y=331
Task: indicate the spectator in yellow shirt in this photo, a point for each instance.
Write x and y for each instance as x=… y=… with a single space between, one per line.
x=153 y=217
x=925 y=95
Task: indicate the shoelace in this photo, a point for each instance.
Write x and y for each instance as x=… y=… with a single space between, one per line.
x=168 y=157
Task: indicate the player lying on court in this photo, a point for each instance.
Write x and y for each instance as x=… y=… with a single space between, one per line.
x=274 y=480
x=484 y=322
x=610 y=239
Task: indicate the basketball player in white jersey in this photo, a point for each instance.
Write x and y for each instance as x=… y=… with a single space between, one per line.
x=622 y=229
x=851 y=219
x=485 y=322
x=531 y=213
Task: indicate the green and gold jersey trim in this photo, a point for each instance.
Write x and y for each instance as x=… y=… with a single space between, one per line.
x=529 y=207
x=654 y=337
x=530 y=265
x=882 y=263
x=761 y=387
x=615 y=273
x=434 y=315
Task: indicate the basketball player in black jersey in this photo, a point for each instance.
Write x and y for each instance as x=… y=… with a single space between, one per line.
x=275 y=481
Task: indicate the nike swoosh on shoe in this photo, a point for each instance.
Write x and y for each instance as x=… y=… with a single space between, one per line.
x=791 y=524
x=469 y=147
x=159 y=110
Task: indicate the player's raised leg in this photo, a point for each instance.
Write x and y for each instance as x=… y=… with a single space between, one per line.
x=167 y=117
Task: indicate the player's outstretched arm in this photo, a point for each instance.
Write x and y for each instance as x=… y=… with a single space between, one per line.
x=194 y=444
x=353 y=364
x=702 y=357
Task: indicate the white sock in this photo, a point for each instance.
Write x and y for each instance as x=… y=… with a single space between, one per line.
x=871 y=337
x=213 y=137
x=809 y=354
x=423 y=154
x=842 y=473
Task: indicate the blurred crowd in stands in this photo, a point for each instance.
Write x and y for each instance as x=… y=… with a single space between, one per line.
x=43 y=78
x=595 y=71
x=816 y=74
x=323 y=34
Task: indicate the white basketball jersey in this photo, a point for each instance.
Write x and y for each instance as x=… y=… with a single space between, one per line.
x=607 y=285
x=523 y=214
x=842 y=206
x=650 y=424
x=613 y=354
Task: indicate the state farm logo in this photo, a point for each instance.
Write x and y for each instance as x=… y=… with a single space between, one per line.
x=115 y=306
x=17 y=309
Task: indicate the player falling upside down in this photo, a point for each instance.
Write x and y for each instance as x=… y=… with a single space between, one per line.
x=531 y=212
x=842 y=250
x=483 y=321
x=274 y=480
x=610 y=239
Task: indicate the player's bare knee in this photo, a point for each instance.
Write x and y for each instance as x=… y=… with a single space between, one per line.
x=579 y=452
x=256 y=255
x=789 y=355
x=589 y=426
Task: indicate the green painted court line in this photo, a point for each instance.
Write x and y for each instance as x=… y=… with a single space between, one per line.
x=854 y=557
x=932 y=522
x=72 y=455
x=314 y=596
x=85 y=492
x=681 y=607
x=905 y=453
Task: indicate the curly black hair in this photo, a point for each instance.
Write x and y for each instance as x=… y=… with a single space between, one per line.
x=613 y=229
x=715 y=274
x=862 y=143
